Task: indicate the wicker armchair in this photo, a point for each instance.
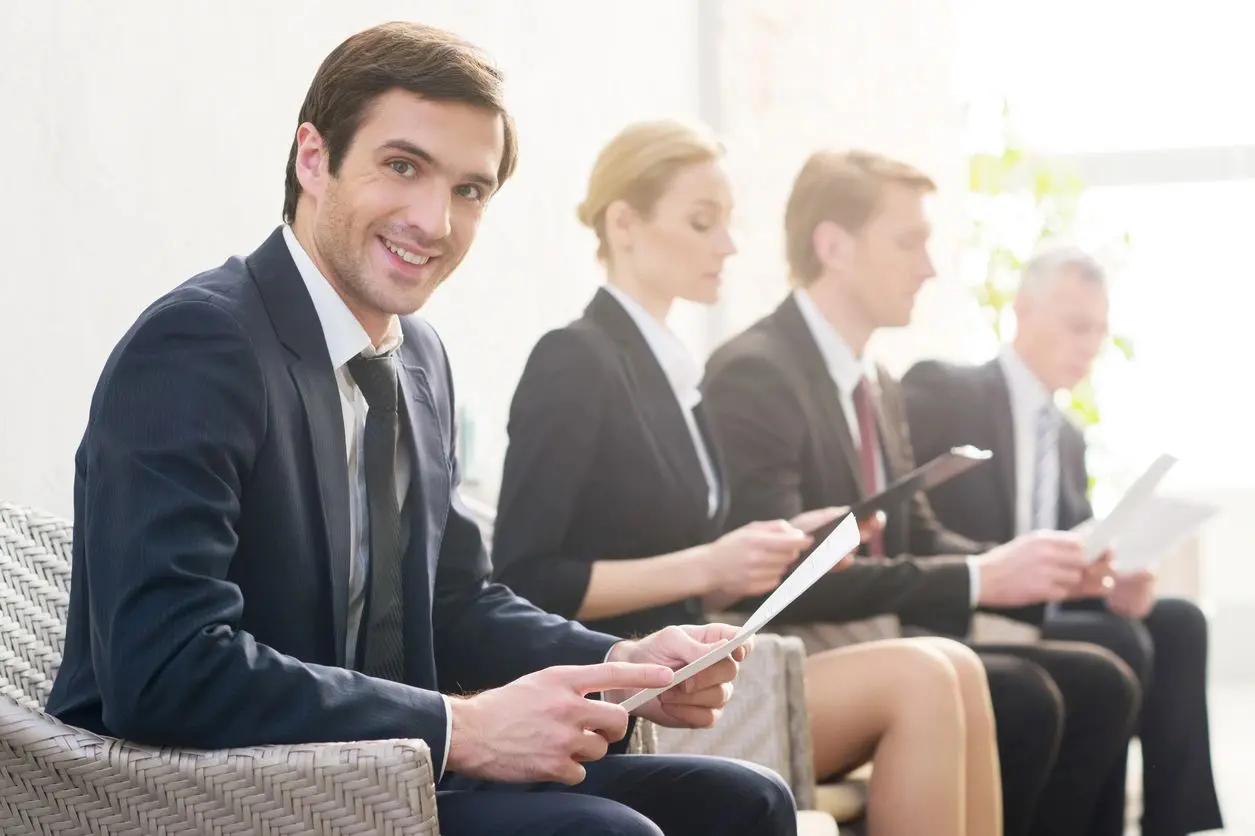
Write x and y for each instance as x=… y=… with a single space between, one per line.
x=55 y=779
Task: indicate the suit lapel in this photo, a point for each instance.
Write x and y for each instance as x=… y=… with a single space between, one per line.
x=1002 y=435
x=1072 y=487
x=654 y=396
x=321 y=399
x=298 y=328
x=822 y=387
x=896 y=461
x=429 y=480
x=723 y=495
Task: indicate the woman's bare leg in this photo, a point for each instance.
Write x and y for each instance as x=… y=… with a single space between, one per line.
x=899 y=704
x=984 y=781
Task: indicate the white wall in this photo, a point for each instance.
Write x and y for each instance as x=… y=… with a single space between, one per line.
x=146 y=140
x=802 y=75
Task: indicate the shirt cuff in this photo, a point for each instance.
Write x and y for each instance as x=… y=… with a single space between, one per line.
x=973 y=568
x=448 y=734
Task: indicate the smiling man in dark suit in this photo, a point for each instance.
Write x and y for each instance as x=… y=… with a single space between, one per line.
x=269 y=546
x=806 y=421
x=1039 y=481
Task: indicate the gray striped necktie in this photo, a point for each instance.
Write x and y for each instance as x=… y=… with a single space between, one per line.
x=1046 y=479
x=384 y=655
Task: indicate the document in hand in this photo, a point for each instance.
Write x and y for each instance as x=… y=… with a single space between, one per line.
x=843 y=540
x=1164 y=525
x=1129 y=513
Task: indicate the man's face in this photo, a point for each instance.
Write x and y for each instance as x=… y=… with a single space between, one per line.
x=888 y=260
x=403 y=209
x=1060 y=329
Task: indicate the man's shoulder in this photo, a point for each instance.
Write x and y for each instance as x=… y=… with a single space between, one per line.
x=220 y=294
x=220 y=302
x=759 y=347
x=939 y=376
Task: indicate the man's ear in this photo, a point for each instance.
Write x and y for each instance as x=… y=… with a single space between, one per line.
x=312 y=168
x=833 y=244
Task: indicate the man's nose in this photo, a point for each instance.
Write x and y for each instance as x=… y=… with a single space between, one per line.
x=428 y=211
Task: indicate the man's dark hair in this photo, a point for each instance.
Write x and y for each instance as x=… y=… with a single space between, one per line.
x=424 y=60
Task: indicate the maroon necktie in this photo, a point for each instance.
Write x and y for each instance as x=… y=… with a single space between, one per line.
x=868 y=446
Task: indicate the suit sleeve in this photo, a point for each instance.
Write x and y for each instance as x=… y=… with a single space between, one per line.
x=176 y=424
x=486 y=634
x=761 y=428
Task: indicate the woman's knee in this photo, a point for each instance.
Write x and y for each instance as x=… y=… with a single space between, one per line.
x=973 y=680
x=927 y=668
x=965 y=661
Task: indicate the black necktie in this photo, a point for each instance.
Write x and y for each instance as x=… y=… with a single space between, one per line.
x=384 y=655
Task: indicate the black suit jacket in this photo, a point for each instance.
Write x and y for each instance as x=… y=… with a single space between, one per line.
x=948 y=405
x=788 y=448
x=211 y=537
x=600 y=466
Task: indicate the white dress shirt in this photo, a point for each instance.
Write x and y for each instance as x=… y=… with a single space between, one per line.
x=345 y=339
x=1028 y=397
x=846 y=370
x=683 y=374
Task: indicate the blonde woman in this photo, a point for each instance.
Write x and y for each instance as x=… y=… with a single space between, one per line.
x=612 y=504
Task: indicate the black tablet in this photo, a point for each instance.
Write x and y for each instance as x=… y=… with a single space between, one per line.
x=926 y=476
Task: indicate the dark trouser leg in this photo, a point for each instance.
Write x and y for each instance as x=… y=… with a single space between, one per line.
x=1168 y=652
x=627 y=795
x=1028 y=709
x=1101 y=699
x=1130 y=640
x=1177 y=782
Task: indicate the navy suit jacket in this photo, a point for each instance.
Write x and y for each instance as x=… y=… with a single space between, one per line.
x=211 y=537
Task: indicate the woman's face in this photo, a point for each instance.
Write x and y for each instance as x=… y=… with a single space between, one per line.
x=678 y=251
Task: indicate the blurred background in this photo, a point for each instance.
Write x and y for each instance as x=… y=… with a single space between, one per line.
x=144 y=141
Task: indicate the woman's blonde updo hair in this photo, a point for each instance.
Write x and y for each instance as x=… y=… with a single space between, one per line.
x=637 y=166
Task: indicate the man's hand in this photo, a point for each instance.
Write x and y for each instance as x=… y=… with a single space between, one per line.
x=1096 y=580
x=1133 y=594
x=698 y=701
x=540 y=727
x=1032 y=569
x=812 y=521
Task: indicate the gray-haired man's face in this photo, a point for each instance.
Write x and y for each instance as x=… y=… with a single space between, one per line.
x=1061 y=329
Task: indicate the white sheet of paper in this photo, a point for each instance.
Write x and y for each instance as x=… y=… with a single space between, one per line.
x=843 y=540
x=1162 y=527
x=1127 y=513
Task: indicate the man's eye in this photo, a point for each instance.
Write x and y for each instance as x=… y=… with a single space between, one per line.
x=403 y=167
x=470 y=191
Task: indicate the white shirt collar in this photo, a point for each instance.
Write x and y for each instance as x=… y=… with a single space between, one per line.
x=1028 y=393
x=846 y=369
x=672 y=355
x=345 y=336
